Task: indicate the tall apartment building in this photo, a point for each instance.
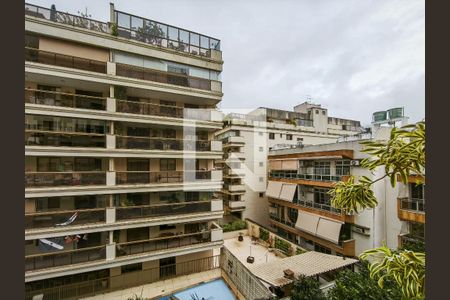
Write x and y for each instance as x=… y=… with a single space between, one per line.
x=247 y=140
x=120 y=186
x=300 y=209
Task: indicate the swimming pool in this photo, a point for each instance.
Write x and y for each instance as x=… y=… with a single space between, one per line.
x=213 y=290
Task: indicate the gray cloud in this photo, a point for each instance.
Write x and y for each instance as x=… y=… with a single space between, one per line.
x=354 y=57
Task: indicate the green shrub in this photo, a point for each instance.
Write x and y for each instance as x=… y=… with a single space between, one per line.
x=114 y=31
x=282 y=245
x=299 y=251
x=263 y=234
x=233 y=226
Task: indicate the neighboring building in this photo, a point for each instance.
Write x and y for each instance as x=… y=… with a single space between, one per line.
x=120 y=188
x=247 y=140
x=300 y=208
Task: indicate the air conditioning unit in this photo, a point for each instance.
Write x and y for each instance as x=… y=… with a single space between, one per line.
x=355 y=162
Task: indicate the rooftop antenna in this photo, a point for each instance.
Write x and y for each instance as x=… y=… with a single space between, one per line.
x=308 y=98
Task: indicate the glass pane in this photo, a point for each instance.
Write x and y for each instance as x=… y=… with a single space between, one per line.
x=214 y=44
x=195 y=39
x=156 y=29
x=136 y=23
x=173 y=33
x=204 y=42
x=123 y=20
x=184 y=36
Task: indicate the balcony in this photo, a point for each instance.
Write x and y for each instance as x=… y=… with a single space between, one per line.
x=64 y=139
x=57 y=219
x=64 y=258
x=147 y=74
x=41 y=97
x=236 y=205
x=144 y=177
x=61 y=60
x=410 y=209
x=319 y=206
x=234 y=187
x=65 y=18
x=54 y=179
x=149 y=143
x=234 y=141
x=312 y=177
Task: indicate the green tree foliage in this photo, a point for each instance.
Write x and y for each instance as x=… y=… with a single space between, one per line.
x=263 y=234
x=233 y=226
x=360 y=286
x=307 y=288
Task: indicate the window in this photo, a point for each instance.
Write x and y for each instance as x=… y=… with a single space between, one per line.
x=317 y=112
x=322 y=249
x=166 y=227
x=289 y=137
x=134 y=164
x=261 y=164
x=343 y=167
x=167 y=164
x=271 y=136
x=261 y=179
x=261 y=149
x=417 y=191
x=321 y=196
x=322 y=168
x=131 y=268
x=44 y=204
x=281 y=135
x=260 y=133
x=261 y=195
x=323 y=112
x=299 y=139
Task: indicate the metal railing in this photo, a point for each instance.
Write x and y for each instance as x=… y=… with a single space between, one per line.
x=319 y=206
x=412 y=204
x=64 y=139
x=164 y=209
x=163 y=35
x=62 y=60
x=162 y=77
x=35 y=96
x=102 y=285
x=144 y=108
x=52 y=218
x=162 y=243
x=63 y=258
x=160 y=143
x=274 y=217
x=51 y=179
x=145 y=177
x=65 y=18
x=294 y=175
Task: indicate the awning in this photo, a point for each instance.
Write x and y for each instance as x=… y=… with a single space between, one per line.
x=307 y=222
x=273 y=189
x=274 y=165
x=329 y=230
x=288 y=191
x=291 y=164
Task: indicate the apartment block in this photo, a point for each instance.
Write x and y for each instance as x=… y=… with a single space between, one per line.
x=300 y=208
x=247 y=140
x=120 y=183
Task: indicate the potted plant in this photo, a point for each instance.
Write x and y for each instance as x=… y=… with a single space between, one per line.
x=241 y=237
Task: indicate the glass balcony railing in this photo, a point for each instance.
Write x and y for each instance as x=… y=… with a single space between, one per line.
x=34 y=96
x=145 y=177
x=56 y=218
x=164 y=209
x=163 y=35
x=64 y=139
x=293 y=175
x=62 y=60
x=64 y=258
x=65 y=18
x=52 y=179
x=416 y=205
x=162 y=243
x=158 y=143
x=162 y=77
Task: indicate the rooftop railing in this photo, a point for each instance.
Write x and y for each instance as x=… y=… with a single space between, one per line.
x=162 y=243
x=163 y=209
x=163 y=35
x=294 y=175
x=417 y=205
x=162 y=77
x=35 y=96
x=64 y=139
x=64 y=258
x=53 y=218
x=62 y=60
x=146 y=177
x=159 y=143
x=65 y=18
x=52 y=179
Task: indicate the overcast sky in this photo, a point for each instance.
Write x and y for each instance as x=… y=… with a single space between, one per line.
x=353 y=57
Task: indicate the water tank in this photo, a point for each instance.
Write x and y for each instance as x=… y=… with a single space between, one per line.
x=379 y=116
x=395 y=113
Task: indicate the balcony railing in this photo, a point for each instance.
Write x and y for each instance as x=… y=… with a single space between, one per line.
x=163 y=35
x=51 y=98
x=165 y=209
x=63 y=258
x=319 y=206
x=145 y=177
x=417 y=205
x=143 y=108
x=292 y=175
x=162 y=77
x=64 y=139
x=54 y=218
x=162 y=243
x=280 y=220
x=159 y=143
x=51 y=179
x=62 y=60
x=65 y=18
